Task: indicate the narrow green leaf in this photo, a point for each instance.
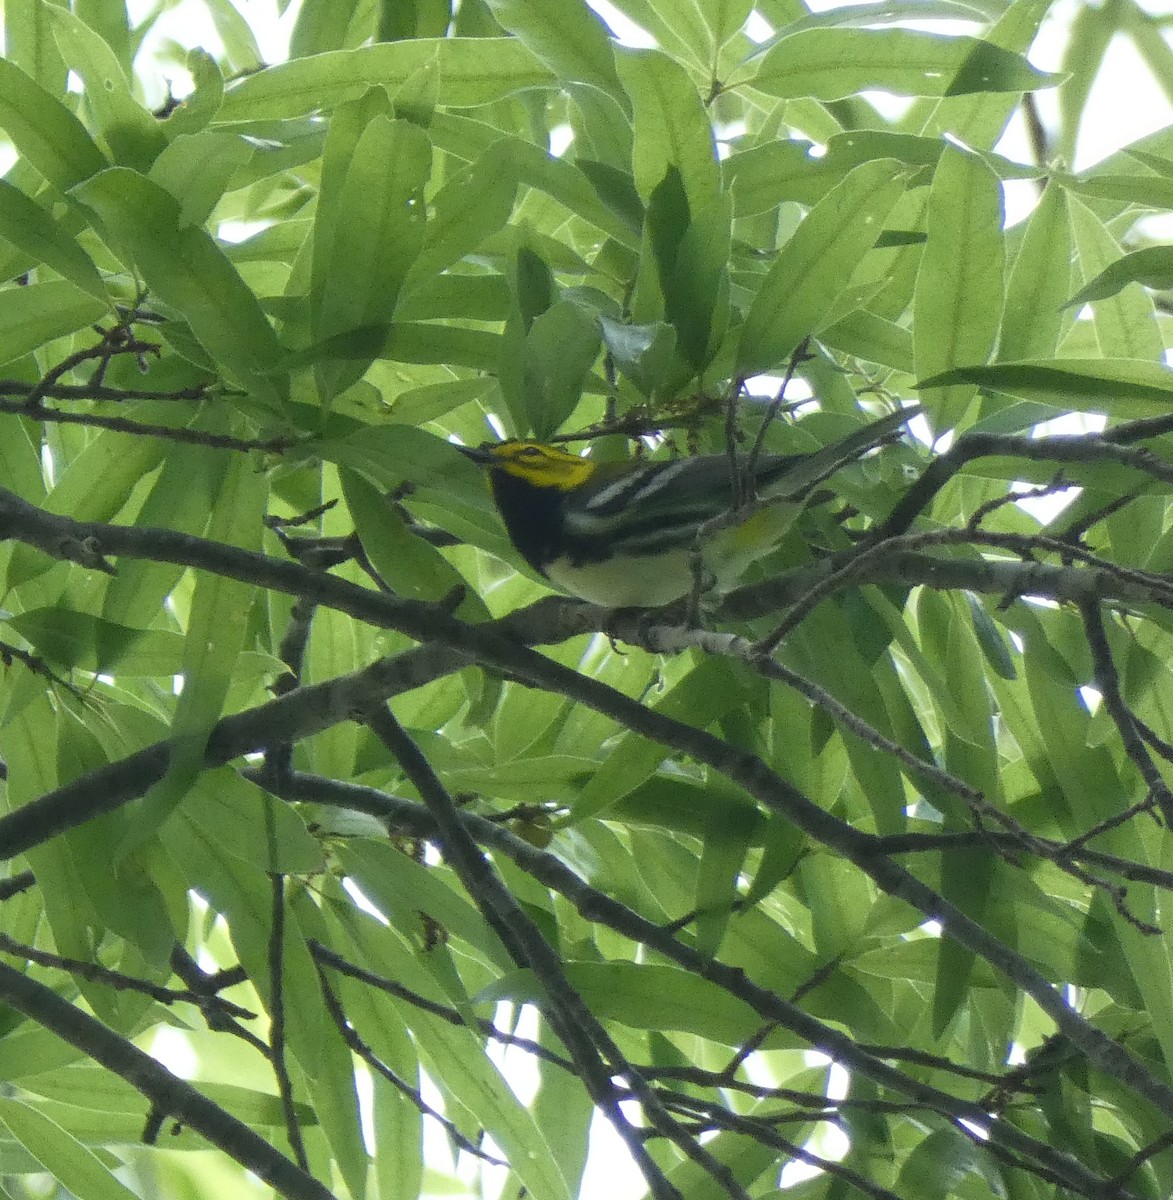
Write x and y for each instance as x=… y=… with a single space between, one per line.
x=472 y=71
x=871 y=338
x=213 y=641
x=644 y=996
x=28 y=742
x=399 y=1166
x=20 y=460
x=33 y=315
x=240 y=44
x=244 y=895
x=989 y=68
x=368 y=231
x=404 y=889
x=44 y=131
x=133 y=135
x=1032 y=319
x=77 y=1168
x=938 y=1165
x=816 y=264
x=727 y=841
x=569 y=38
x=424 y=342
x=1146 y=191
x=672 y=128
x=560 y=348
x=69 y=639
x=250 y=824
x=470 y=206
x=708 y=691
x=831 y=64
x=840 y=898
x=576 y=186
x=181 y=497
x=321 y=27
x=959 y=291
x=417 y=406
x=1126 y=388
x=29 y=43
x=335 y=648
x=30 y=228
x=990 y=639
x=882 y=12
x=646 y=354
x=196 y=169
x=725 y=19
x=1125 y=322
x=98 y=481
x=187 y=271
x=696 y=290
x=760 y=177
x=1152 y=267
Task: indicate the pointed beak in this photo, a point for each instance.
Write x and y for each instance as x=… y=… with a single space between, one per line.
x=479 y=454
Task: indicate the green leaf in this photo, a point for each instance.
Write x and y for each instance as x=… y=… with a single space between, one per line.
x=29 y=44
x=132 y=134
x=990 y=639
x=180 y=499
x=321 y=27
x=831 y=64
x=70 y=639
x=1125 y=322
x=33 y=315
x=938 y=1165
x=20 y=464
x=560 y=349
x=196 y=169
x=1152 y=267
x=407 y=563
x=646 y=996
x=1126 y=388
x=700 y=279
x=815 y=265
x=187 y=271
x=29 y=227
x=44 y=131
x=708 y=691
x=470 y=206
x=872 y=339
x=959 y=291
x=727 y=841
x=424 y=342
x=73 y=1165
x=250 y=824
x=213 y=641
x=472 y=71
x=569 y=38
x=1032 y=320
x=724 y=18
x=404 y=890
x=646 y=354
x=368 y=232
x=671 y=126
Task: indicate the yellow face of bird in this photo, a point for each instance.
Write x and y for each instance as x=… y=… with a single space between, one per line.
x=540 y=465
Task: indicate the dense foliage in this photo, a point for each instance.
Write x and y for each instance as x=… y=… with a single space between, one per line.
x=314 y=796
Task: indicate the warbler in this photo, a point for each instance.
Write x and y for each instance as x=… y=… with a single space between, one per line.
x=625 y=534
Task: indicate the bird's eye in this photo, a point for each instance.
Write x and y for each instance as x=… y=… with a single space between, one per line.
x=530 y=452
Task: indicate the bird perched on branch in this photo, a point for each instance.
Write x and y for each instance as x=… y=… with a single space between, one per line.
x=627 y=534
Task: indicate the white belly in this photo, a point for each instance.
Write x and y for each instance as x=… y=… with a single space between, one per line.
x=645 y=582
